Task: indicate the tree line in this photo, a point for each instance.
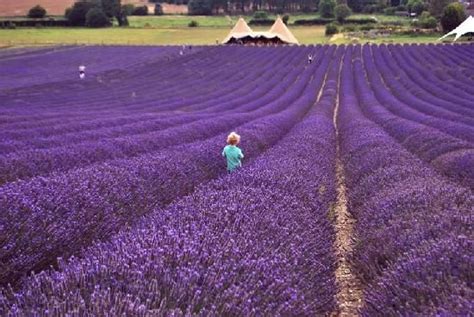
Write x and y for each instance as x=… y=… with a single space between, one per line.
x=101 y=13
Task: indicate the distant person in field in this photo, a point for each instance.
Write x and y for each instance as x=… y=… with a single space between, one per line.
x=232 y=153
x=310 y=58
x=82 y=72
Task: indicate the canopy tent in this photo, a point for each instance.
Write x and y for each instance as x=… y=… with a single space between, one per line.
x=256 y=38
x=466 y=27
x=243 y=34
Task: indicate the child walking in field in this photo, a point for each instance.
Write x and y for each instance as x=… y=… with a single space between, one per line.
x=82 y=72
x=232 y=153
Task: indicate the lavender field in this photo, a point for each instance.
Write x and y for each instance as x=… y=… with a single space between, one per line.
x=355 y=196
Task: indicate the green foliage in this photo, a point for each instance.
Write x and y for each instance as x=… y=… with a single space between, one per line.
x=362 y=20
x=140 y=11
x=368 y=6
x=426 y=21
x=111 y=8
x=67 y=12
x=193 y=24
x=342 y=11
x=390 y=11
x=368 y=27
x=261 y=18
x=96 y=18
x=349 y=28
x=285 y=19
x=158 y=9
x=123 y=21
x=453 y=15
x=128 y=9
x=355 y=5
x=77 y=15
x=326 y=8
x=374 y=8
x=260 y=15
x=331 y=29
x=429 y=23
x=37 y=12
x=416 y=6
x=436 y=7
x=200 y=7
x=402 y=7
x=315 y=21
x=11 y=25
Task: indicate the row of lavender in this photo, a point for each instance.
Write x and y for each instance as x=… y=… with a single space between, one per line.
x=277 y=254
x=413 y=251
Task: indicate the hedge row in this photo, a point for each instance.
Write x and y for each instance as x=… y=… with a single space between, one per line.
x=32 y=23
x=323 y=21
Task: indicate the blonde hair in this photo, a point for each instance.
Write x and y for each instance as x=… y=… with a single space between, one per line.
x=233 y=138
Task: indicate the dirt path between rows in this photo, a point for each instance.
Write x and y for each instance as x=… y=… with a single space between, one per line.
x=349 y=295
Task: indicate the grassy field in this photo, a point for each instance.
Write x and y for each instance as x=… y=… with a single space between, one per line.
x=173 y=21
x=178 y=21
x=204 y=36
x=173 y=30
x=165 y=36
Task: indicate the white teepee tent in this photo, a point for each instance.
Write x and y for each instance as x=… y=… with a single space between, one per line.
x=466 y=27
x=279 y=28
x=241 y=29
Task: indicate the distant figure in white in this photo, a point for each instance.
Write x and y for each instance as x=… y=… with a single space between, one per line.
x=310 y=58
x=82 y=72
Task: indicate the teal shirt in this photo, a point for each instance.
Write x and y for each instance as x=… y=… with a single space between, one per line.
x=233 y=155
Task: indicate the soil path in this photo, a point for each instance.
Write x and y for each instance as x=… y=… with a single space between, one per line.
x=350 y=294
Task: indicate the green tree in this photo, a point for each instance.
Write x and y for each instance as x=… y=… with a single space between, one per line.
x=360 y=5
x=260 y=15
x=111 y=8
x=436 y=7
x=77 y=14
x=331 y=29
x=128 y=9
x=453 y=15
x=140 y=10
x=200 y=7
x=342 y=11
x=426 y=21
x=37 y=12
x=158 y=9
x=326 y=8
x=96 y=18
x=416 y=6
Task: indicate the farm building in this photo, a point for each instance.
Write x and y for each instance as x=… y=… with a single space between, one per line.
x=243 y=34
